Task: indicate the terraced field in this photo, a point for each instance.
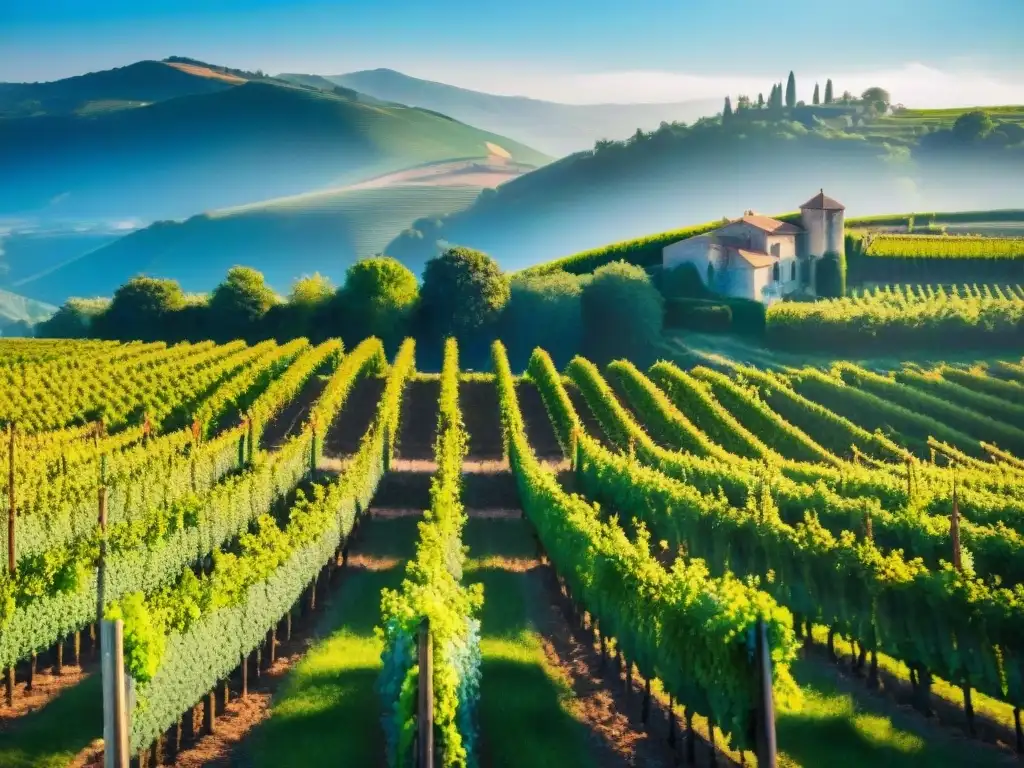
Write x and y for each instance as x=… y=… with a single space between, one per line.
x=592 y=552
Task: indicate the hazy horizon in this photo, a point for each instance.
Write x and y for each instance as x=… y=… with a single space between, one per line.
x=569 y=51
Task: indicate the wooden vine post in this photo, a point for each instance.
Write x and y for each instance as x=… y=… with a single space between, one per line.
x=195 y=448
x=251 y=424
x=312 y=448
x=425 y=703
x=241 y=442
x=764 y=722
x=12 y=562
x=101 y=576
x=115 y=695
x=954 y=535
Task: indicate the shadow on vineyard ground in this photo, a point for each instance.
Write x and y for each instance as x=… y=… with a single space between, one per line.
x=52 y=735
x=840 y=724
x=326 y=713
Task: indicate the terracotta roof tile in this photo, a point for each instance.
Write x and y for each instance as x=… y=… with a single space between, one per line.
x=770 y=225
x=821 y=202
x=756 y=259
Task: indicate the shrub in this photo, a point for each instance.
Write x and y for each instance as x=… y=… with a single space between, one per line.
x=140 y=310
x=698 y=315
x=74 y=320
x=239 y=304
x=543 y=311
x=830 y=276
x=623 y=313
x=463 y=291
x=378 y=299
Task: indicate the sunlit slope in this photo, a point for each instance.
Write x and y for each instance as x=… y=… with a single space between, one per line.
x=143 y=82
x=250 y=142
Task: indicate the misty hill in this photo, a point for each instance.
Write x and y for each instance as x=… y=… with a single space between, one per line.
x=680 y=174
x=284 y=238
x=253 y=141
x=134 y=85
x=557 y=129
x=18 y=313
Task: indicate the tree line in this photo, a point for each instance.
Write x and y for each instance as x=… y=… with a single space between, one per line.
x=779 y=98
x=614 y=312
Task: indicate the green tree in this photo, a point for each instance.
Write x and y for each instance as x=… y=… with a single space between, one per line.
x=378 y=299
x=304 y=314
x=974 y=125
x=463 y=291
x=877 y=97
x=727 y=111
x=74 y=319
x=760 y=101
x=828 y=91
x=544 y=311
x=141 y=310
x=817 y=98
x=791 y=91
x=239 y=305
x=623 y=314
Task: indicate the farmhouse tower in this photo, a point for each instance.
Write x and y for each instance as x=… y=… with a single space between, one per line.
x=823 y=223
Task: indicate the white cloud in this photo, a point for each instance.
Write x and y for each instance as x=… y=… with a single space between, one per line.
x=914 y=84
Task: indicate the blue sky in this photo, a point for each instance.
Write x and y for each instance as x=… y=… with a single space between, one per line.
x=572 y=50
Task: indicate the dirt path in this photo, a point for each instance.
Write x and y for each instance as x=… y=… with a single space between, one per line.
x=289 y=418
x=541 y=701
x=353 y=421
x=590 y=423
x=539 y=430
x=419 y=420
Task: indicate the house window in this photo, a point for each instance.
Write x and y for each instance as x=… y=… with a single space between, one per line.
x=775 y=273
x=792 y=271
x=776 y=249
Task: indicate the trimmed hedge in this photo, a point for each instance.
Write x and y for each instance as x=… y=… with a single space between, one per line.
x=744 y=316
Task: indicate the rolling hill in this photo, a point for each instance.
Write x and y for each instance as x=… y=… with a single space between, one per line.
x=137 y=84
x=251 y=141
x=284 y=238
x=557 y=129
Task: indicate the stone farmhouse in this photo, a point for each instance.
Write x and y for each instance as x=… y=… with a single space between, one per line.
x=760 y=258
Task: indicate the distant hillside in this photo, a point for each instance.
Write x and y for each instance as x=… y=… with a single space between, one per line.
x=284 y=238
x=678 y=175
x=24 y=254
x=134 y=85
x=557 y=129
x=17 y=313
x=254 y=141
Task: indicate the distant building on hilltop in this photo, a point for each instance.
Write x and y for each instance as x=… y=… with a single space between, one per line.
x=761 y=258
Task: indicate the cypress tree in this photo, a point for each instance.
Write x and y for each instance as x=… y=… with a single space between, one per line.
x=816 y=99
x=760 y=101
x=791 y=91
x=828 y=91
x=727 y=112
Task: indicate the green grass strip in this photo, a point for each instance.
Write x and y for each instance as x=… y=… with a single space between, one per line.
x=327 y=713
x=526 y=705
